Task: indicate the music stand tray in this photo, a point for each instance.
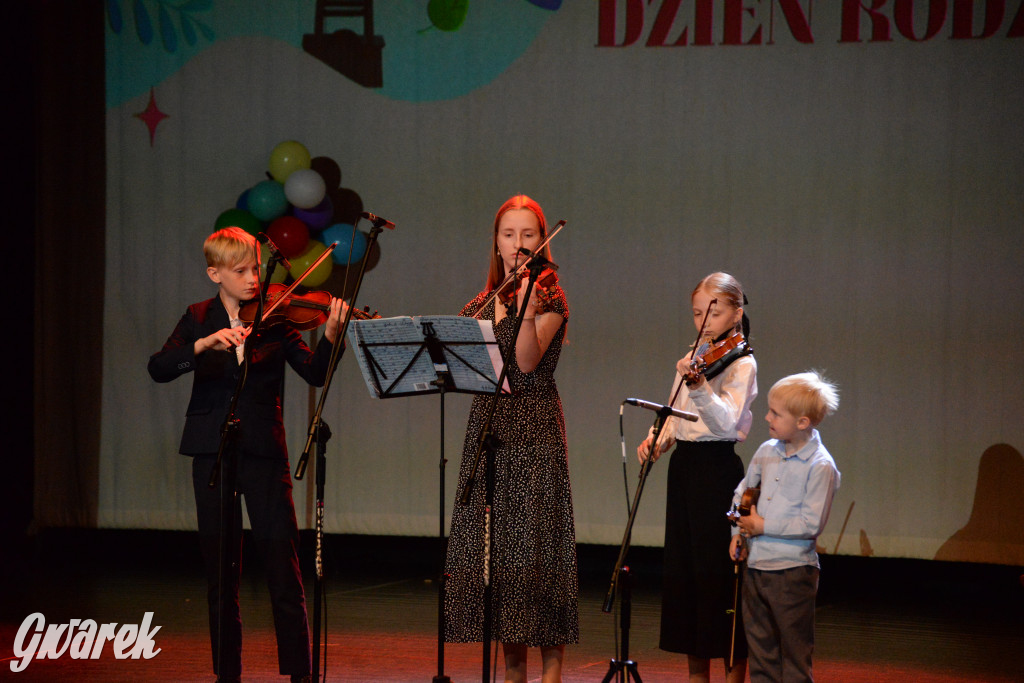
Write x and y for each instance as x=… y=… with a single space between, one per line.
x=462 y=352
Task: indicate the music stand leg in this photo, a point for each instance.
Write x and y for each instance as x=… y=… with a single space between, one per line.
x=443 y=578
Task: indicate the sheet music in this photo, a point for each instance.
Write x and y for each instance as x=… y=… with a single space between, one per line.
x=388 y=347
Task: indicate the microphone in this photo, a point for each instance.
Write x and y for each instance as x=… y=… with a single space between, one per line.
x=657 y=407
x=377 y=221
x=274 y=251
x=538 y=258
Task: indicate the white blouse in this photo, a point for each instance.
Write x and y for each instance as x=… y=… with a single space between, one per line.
x=723 y=404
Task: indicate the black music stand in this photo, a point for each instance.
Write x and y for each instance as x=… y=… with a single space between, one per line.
x=391 y=356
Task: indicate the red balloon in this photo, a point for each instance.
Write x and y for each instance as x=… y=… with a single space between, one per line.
x=290 y=235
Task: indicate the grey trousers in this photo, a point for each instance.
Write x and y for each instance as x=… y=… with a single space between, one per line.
x=778 y=617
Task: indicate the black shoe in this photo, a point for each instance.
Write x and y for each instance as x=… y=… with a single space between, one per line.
x=302 y=679
x=229 y=679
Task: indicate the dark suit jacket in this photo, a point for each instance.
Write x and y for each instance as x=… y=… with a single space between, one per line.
x=261 y=428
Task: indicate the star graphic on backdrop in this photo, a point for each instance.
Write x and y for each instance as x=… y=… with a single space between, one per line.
x=152 y=116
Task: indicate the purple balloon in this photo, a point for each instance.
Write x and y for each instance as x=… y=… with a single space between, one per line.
x=317 y=218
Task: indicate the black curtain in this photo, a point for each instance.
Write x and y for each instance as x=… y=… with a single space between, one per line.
x=61 y=127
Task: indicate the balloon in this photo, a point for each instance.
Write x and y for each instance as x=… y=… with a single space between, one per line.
x=348 y=205
x=319 y=217
x=342 y=233
x=243 y=201
x=290 y=235
x=287 y=157
x=447 y=15
x=304 y=260
x=267 y=201
x=328 y=169
x=280 y=273
x=239 y=219
x=305 y=188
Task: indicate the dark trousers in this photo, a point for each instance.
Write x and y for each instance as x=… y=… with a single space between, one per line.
x=266 y=485
x=778 y=614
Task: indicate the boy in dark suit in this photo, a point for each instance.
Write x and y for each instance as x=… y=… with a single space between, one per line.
x=210 y=341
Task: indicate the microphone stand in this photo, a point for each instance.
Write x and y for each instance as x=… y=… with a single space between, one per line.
x=320 y=433
x=486 y=447
x=622 y=667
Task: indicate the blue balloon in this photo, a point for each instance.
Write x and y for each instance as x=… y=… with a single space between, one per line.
x=342 y=233
x=267 y=200
x=243 y=201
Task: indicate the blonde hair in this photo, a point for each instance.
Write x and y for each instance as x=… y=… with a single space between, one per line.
x=729 y=291
x=229 y=247
x=806 y=394
x=496 y=270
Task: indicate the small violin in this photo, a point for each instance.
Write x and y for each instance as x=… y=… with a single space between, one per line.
x=302 y=311
x=711 y=359
x=547 y=278
x=747 y=501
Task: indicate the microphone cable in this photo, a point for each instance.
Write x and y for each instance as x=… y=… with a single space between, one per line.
x=622 y=440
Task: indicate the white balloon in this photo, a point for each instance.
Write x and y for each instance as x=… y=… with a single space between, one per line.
x=305 y=188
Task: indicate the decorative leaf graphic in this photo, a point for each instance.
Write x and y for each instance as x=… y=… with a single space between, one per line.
x=143 y=24
x=207 y=32
x=114 y=16
x=166 y=24
x=188 y=30
x=167 y=32
x=199 y=5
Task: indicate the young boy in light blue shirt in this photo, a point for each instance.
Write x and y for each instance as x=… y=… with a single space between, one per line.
x=797 y=479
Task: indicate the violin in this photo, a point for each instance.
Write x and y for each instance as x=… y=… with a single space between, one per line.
x=547 y=278
x=747 y=501
x=711 y=359
x=302 y=311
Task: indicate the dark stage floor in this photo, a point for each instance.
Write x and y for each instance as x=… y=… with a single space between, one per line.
x=878 y=619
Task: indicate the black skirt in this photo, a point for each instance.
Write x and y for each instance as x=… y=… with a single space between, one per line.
x=699 y=578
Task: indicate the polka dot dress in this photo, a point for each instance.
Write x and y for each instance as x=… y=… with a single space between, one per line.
x=533 y=539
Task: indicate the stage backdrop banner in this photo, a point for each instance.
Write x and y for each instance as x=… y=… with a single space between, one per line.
x=860 y=171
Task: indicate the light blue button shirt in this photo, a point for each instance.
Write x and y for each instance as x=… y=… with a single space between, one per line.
x=796 y=497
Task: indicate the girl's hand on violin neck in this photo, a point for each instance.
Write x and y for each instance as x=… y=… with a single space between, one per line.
x=687 y=369
x=531 y=305
x=339 y=309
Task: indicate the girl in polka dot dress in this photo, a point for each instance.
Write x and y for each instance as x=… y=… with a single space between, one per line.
x=533 y=542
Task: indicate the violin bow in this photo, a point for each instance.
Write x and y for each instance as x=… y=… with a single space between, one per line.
x=291 y=288
x=515 y=273
x=696 y=344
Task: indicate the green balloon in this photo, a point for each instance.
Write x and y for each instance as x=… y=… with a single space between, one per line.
x=238 y=218
x=447 y=15
x=287 y=156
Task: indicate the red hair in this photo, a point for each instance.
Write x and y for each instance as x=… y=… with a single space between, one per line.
x=496 y=270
